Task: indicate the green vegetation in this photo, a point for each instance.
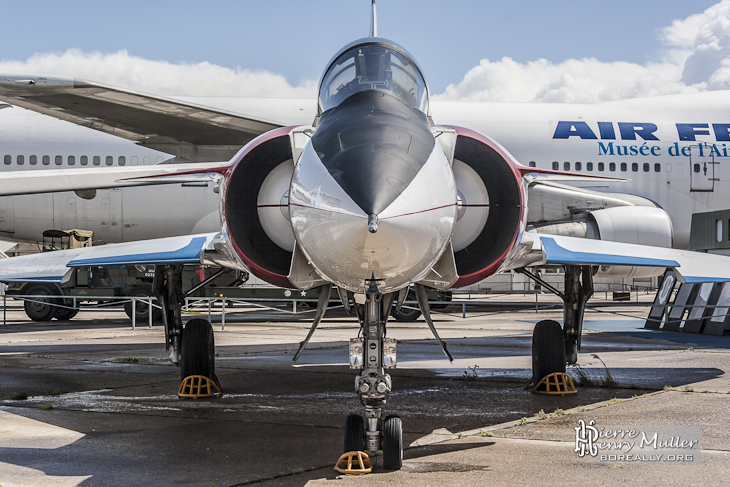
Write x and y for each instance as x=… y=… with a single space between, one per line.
x=47 y=406
x=473 y=375
x=18 y=396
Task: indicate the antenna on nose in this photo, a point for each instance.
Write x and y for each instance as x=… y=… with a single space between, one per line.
x=373 y=20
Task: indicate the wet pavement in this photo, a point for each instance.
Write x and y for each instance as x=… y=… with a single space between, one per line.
x=102 y=411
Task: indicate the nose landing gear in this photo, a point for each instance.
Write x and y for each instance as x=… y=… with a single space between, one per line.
x=372 y=353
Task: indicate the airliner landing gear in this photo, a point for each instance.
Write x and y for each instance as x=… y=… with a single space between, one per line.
x=372 y=352
x=192 y=348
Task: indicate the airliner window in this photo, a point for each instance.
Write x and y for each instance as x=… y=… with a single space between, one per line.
x=612 y=166
x=59 y=160
x=84 y=161
x=71 y=160
x=635 y=166
x=589 y=166
x=601 y=166
x=373 y=67
x=33 y=160
x=578 y=166
x=21 y=160
x=646 y=167
x=8 y=159
x=657 y=167
x=46 y=160
x=109 y=161
x=624 y=167
x=97 y=160
x=122 y=160
x=556 y=165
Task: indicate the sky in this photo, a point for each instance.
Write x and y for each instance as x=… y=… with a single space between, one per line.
x=486 y=50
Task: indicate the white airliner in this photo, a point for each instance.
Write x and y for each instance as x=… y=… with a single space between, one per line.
x=373 y=196
x=668 y=150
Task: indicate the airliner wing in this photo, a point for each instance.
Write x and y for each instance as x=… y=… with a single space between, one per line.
x=54 y=180
x=160 y=123
x=56 y=266
x=542 y=249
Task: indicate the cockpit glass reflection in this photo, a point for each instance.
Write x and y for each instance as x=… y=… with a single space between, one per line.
x=373 y=67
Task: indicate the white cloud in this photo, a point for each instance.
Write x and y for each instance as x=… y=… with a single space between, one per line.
x=160 y=77
x=697 y=58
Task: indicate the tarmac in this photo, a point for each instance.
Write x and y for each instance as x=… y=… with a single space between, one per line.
x=91 y=402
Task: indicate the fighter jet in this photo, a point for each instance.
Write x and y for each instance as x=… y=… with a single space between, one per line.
x=373 y=197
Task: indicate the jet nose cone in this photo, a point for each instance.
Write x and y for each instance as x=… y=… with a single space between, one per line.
x=373 y=223
x=373 y=146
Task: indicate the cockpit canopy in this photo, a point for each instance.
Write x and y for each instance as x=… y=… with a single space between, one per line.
x=373 y=66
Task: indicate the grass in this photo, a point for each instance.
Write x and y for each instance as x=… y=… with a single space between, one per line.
x=523 y=421
x=688 y=389
x=585 y=380
x=542 y=414
x=133 y=360
x=126 y=360
x=670 y=388
x=473 y=375
x=47 y=406
x=18 y=396
x=486 y=434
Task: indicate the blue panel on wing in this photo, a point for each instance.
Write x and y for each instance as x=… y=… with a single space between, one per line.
x=189 y=254
x=555 y=254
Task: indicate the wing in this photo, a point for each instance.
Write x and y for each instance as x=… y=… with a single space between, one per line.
x=54 y=180
x=186 y=130
x=541 y=249
x=56 y=266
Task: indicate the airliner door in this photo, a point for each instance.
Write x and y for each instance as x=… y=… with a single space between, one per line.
x=703 y=169
x=100 y=213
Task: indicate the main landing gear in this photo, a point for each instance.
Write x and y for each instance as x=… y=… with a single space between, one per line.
x=192 y=347
x=553 y=347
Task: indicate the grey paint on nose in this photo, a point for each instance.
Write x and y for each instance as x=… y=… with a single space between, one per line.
x=373 y=145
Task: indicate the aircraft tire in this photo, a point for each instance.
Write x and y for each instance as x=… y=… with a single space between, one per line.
x=38 y=310
x=548 y=349
x=392 y=443
x=354 y=433
x=197 y=349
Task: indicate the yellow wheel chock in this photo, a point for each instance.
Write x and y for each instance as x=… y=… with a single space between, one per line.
x=199 y=386
x=354 y=463
x=557 y=383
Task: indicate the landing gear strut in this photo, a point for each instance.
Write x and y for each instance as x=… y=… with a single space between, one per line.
x=193 y=347
x=552 y=347
x=372 y=352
